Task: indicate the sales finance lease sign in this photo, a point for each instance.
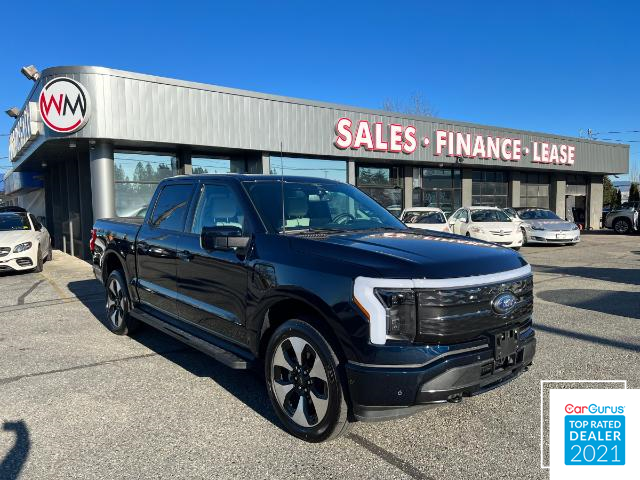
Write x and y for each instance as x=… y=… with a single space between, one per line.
x=64 y=105
x=25 y=130
x=396 y=138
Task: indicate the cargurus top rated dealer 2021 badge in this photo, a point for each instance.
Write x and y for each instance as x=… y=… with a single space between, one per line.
x=594 y=434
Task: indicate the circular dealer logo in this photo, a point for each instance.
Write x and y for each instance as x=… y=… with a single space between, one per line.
x=64 y=105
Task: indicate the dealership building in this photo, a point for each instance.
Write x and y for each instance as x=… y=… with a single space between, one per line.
x=93 y=142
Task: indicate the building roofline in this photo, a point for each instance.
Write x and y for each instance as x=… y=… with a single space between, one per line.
x=96 y=70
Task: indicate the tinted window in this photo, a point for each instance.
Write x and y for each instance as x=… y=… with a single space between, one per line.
x=423 y=217
x=538 y=215
x=218 y=206
x=36 y=224
x=171 y=207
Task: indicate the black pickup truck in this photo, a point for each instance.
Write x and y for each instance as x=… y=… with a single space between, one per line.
x=353 y=315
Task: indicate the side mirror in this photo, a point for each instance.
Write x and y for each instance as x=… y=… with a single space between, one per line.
x=464 y=220
x=223 y=238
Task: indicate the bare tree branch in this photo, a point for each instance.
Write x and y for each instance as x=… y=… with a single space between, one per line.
x=417 y=104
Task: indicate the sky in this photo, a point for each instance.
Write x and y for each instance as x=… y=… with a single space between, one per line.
x=548 y=66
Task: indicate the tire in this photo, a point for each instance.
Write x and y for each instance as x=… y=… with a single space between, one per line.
x=49 y=256
x=118 y=305
x=516 y=248
x=40 y=264
x=307 y=396
x=524 y=237
x=622 y=226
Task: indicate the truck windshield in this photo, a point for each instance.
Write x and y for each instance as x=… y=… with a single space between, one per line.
x=13 y=221
x=318 y=206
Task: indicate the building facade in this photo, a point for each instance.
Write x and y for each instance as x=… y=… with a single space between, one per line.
x=95 y=141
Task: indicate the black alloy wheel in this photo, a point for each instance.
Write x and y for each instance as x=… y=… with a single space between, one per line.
x=304 y=384
x=622 y=226
x=118 y=305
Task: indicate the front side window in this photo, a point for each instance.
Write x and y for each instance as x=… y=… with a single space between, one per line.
x=489 y=216
x=218 y=206
x=14 y=221
x=136 y=177
x=318 y=206
x=171 y=208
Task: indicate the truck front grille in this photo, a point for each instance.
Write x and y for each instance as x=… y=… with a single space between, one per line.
x=461 y=314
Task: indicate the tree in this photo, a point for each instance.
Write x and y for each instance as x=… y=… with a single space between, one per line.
x=618 y=199
x=417 y=105
x=609 y=192
x=634 y=192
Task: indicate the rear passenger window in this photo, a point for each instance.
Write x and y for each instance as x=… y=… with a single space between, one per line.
x=171 y=207
x=218 y=206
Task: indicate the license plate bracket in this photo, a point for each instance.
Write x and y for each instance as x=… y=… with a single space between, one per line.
x=505 y=347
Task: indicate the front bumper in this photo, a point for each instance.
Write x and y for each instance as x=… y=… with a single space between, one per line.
x=553 y=236
x=511 y=240
x=387 y=392
x=16 y=262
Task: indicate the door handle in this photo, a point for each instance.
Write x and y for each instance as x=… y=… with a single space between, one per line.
x=185 y=255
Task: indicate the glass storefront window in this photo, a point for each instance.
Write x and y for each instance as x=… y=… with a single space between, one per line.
x=490 y=188
x=437 y=187
x=383 y=184
x=534 y=190
x=201 y=165
x=309 y=167
x=136 y=175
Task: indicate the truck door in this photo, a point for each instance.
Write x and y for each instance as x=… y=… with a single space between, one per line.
x=156 y=247
x=212 y=284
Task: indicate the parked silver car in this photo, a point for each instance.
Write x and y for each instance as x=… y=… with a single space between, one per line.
x=624 y=219
x=540 y=225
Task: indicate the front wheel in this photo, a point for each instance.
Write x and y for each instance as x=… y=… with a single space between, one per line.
x=622 y=225
x=40 y=262
x=303 y=383
x=118 y=305
x=524 y=236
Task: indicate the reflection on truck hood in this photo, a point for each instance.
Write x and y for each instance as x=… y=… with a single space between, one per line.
x=412 y=254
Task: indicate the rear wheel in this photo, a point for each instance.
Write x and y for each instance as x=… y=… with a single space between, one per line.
x=118 y=305
x=49 y=253
x=622 y=225
x=304 y=384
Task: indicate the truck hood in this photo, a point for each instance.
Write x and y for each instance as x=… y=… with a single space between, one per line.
x=14 y=237
x=411 y=254
x=550 y=224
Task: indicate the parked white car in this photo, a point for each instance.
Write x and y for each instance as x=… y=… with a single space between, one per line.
x=427 y=218
x=487 y=223
x=540 y=225
x=25 y=243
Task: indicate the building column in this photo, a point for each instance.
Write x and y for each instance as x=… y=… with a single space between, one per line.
x=557 y=195
x=184 y=161
x=514 y=189
x=351 y=171
x=467 y=187
x=266 y=163
x=407 y=201
x=102 y=181
x=594 y=201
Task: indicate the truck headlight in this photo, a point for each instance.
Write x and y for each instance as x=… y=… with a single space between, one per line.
x=400 y=306
x=22 y=247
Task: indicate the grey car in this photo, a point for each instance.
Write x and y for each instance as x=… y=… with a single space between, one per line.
x=624 y=219
x=540 y=225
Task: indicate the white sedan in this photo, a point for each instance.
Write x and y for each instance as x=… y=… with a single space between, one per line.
x=24 y=242
x=487 y=223
x=427 y=218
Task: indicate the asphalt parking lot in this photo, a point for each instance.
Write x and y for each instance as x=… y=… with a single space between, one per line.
x=79 y=402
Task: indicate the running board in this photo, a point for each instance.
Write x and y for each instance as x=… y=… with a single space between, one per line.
x=225 y=357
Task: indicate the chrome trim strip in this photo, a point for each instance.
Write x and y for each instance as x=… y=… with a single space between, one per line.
x=418 y=365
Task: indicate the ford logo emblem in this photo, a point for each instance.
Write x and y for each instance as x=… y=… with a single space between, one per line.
x=504 y=303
